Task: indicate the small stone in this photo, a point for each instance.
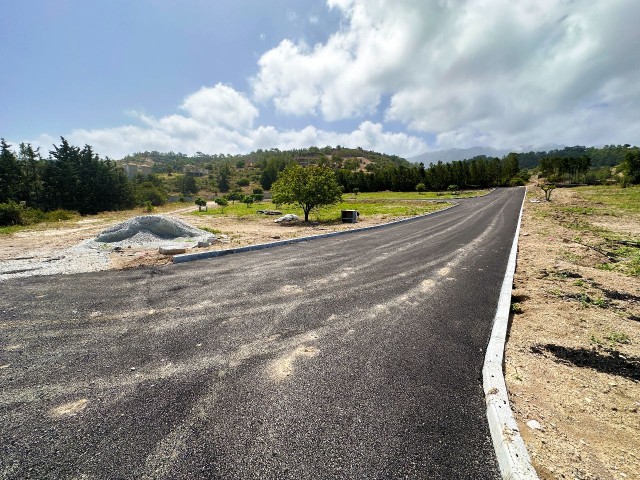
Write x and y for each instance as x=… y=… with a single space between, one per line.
x=172 y=249
x=133 y=369
x=534 y=425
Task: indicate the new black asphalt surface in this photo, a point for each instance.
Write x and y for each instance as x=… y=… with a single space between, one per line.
x=357 y=356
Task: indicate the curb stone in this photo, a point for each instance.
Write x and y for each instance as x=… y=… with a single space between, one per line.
x=188 y=257
x=511 y=452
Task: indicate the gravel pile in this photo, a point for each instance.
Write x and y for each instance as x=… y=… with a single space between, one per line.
x=146 y=232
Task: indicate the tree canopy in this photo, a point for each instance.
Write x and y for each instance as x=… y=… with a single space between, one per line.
x=307 y=187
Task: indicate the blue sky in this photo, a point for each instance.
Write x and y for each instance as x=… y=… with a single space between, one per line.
x=402 y=76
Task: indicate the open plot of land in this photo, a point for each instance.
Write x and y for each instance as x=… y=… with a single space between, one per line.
x=573 y=356
x=237 y=225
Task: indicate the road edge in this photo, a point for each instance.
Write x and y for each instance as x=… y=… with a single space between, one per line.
x=189 y=257
x=511 y=452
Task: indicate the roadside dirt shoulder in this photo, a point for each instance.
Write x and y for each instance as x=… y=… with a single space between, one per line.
x=573 y=356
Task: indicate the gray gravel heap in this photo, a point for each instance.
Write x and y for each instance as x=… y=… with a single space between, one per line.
x=146 y=232
x=149 y=230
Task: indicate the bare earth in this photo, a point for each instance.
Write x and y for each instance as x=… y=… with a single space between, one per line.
x=573 y=356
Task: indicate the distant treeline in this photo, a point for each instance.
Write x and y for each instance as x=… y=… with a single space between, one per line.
x=609 y=155
x=71 y=178
x=77 y=179
x=477 y=173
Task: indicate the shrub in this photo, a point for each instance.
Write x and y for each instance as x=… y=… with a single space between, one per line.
x=11 y=214
x=221 y=202
x=258 y=191
x=452 y=188
x=248 y=200
x=243 y=182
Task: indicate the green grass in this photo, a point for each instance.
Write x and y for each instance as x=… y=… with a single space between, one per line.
x=607 y=201
x=612 y=199
x=11 y=229
x=366 y=207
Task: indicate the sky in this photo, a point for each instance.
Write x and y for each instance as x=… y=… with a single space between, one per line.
x=396 y=76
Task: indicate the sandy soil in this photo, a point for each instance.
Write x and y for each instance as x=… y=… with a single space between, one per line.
x=573 y=356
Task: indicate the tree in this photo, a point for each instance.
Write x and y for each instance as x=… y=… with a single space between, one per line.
x=235 y=196
x=188 y=184
x=420 y=188
x=10 y=177
x=631 y=167
x=201 y=203
x=547 y=188
x=221 y=202
x=307 y=187
x=223 y=179
x=247 y=200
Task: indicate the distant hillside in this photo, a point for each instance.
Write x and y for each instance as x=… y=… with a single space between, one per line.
x=454 y=154
x=349 y=158
x=529 y=157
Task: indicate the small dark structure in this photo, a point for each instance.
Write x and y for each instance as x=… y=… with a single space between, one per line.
x=350 y=216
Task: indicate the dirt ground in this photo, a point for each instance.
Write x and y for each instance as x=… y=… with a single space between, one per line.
x=46 y=241
x=573 y=356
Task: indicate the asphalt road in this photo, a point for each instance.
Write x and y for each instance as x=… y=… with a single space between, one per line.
x=357 y=356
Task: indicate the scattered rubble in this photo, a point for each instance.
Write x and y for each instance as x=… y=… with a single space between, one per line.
x=289 y=217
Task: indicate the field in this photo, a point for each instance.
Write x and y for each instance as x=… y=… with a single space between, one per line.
x=236 y=225
x=573 y=356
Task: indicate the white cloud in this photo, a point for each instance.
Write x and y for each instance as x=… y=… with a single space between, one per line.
x=220 y=120
x=470 y=71
x=220 y=106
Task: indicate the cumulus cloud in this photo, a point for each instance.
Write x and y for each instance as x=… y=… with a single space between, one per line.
x=220 y=120
x=470 y=72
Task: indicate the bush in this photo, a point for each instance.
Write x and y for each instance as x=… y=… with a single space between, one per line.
x=258 y=197
x=221 y=202
x=516 y=182
x=235 y=196
x=59 y=215
x=258 y=191
x=11 y=214
x=243 y=182
x=453 y=188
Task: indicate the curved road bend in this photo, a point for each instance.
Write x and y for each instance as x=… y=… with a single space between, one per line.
x=350 y=357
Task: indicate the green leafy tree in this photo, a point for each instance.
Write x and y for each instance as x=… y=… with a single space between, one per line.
x=421 y=188
x=10 y=178
x=309 y=188
x=188 y=184
x=233 y=196
x=631 y=167
x=547 y=188
x=201 y=203
x=223 y=179
x=222 y=203
x=248 y=200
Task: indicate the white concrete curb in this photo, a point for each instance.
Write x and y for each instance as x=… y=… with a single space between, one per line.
x=188 y=257
x=511 y=451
